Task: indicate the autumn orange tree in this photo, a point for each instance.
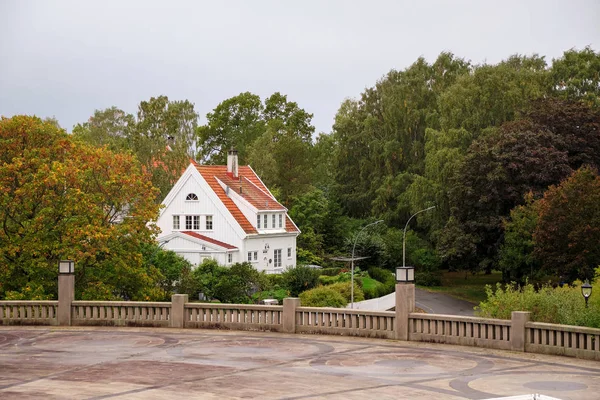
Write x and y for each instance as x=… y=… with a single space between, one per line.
x=60 y=199
x=567 y=234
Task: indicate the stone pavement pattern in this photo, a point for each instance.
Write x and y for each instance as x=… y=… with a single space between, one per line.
x=146 y=363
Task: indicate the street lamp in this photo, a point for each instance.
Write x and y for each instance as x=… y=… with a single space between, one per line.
x=404 y=235
x=352 y=261
x=586 y=292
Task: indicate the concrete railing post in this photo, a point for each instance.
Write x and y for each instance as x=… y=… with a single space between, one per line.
x=518 y=332
x=66 y=295
x=405 y=304
x=178 y=310
x=289 y=314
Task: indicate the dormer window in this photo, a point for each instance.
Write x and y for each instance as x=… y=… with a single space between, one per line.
x=192 y=197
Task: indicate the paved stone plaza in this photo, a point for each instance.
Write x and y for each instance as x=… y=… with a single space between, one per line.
x=146 y=363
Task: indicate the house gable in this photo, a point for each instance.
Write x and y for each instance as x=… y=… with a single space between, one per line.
x=225 y=227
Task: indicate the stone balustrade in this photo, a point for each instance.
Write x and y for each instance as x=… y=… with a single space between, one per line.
x=575 y=341
x=347 y=322
x=21 y=312
x=516 y=334
x=233 y=316
x=465 y=331
x=120 y=313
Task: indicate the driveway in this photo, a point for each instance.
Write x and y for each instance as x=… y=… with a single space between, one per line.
x=439 y=303
x=431 y=303
x=148 y=363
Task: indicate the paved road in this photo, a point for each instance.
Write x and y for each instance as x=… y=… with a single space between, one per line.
x=431 y=303
x=146 y=363
x=439 y=303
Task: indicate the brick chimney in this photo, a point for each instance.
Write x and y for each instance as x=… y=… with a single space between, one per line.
x=232 y=163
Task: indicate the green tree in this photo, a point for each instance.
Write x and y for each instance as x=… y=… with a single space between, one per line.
x=296 y=121
x=576 y=76
x=111 y=127
x=381 y=137
x=163 y=137
x=282 y=160
x=60 y=199
x=172 y=267
x=234 y=284
x=236 y=122
x=299 y=279
x=493 y=94
x=516 y=258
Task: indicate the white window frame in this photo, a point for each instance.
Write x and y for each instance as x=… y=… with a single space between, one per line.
x=273 y=220
x=209 y=218
x=194 y=222
x=176 y=222
x=281 y=220
x=289 y=252
x=229 y=258
x=249 y=256
x=191 y=197
x=266 y=221
x=277 y=258
x=258 y=221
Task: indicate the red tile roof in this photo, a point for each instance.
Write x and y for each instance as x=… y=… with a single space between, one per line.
x=209 y=240
x=249 y=186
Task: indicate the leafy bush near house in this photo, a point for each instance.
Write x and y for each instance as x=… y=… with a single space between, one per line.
x=323 y=296
x=274 y=281
x=344 y=288
x=552 y=305
x=330 y=271
x=299 y=279
x=233 y=284
x=278 y=294
x=341 y=277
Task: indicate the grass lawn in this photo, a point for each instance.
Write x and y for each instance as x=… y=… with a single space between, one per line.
x=465 y=286
x=368 y=282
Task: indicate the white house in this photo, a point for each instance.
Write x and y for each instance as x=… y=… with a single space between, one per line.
x=228 y=214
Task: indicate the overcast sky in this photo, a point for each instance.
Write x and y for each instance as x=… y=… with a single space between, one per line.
x=67 y=58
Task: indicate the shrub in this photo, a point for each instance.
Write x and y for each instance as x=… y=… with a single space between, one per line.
x=380 y=274
x=327 y=280
x=344 y=288
x=428 y=278
x=274 y=281
x=552 y=305
x=330 y=271
x=299 y=279
x=278 y=294
x=323 y=296
x=233 y=284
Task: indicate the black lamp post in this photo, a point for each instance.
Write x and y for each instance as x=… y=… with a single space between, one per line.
x=586 y=292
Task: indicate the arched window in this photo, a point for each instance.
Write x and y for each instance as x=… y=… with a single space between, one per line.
x=192 y=196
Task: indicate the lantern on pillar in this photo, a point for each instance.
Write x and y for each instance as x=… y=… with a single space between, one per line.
x=405 y=274
x=66 y=267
